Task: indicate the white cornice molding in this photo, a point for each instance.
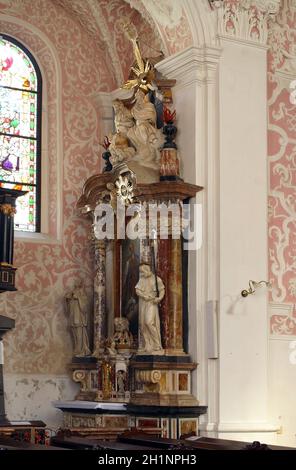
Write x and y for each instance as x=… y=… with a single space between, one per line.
x=244 y=42
x=194 y=64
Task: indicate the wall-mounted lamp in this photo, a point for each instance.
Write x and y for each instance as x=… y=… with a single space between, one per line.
x=253 y=285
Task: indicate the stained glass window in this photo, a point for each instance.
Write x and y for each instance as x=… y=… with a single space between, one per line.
x=20 y=129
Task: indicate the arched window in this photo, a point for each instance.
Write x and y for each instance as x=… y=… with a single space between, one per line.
x=20 y=129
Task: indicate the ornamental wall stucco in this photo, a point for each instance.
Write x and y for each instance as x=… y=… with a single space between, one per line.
x=282 y=170
x=40 y=343
x=41 y=340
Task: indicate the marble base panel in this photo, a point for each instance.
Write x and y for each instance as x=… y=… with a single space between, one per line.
x=93 y=419
x=161 y=382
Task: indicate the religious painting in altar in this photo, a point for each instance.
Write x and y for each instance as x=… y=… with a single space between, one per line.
x=130 y=261
x=111 y=289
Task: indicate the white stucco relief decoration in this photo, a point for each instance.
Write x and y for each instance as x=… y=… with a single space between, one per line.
x=89 y=16
x=169 y=20
x=245 y=19
x=283 y=43
x=107 y=36
x=167 y=12
x=102 y=20
x=80 y=11
x=141 y=9
x=271 y=7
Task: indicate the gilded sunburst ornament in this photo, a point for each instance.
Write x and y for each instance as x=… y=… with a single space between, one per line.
x=143 y=70
x=124 y=190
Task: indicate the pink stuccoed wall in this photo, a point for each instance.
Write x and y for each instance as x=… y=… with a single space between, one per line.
x=81 y=51
x=282 y=171
x=41 y=343
x=80 y=54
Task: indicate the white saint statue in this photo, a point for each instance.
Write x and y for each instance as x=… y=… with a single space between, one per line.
x=77 y=307
x=150 y=290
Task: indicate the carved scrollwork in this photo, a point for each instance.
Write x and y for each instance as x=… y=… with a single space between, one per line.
x=80 y=376
x=148 y=376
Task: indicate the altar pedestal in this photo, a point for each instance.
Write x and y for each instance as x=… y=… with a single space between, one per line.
x=121 y=388
x=162 y=381
x=85 y=418
x=108 y=420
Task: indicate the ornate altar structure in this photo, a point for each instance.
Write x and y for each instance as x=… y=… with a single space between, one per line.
x=138 y=374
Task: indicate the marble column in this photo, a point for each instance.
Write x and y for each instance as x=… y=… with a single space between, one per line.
x=175 y=316
x=99 y=297
x=163 y=271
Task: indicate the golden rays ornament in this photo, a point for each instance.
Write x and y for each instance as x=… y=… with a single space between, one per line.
x=143 y=71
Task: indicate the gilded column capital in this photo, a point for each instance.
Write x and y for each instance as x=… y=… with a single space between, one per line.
x=7 y=209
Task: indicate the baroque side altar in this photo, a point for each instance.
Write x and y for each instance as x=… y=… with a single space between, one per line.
x=131 y=360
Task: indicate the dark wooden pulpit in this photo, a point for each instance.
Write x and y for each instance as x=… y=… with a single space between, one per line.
x=6 y=324
x=8 y=199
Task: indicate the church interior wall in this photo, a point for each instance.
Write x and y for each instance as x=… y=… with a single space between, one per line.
x=38 y=350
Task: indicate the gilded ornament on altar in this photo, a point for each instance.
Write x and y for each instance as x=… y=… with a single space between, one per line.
x=122 y=188
x=106 y=380
x=125 y=190
x=138 y=140
x=8 y=209
x=143 y=72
